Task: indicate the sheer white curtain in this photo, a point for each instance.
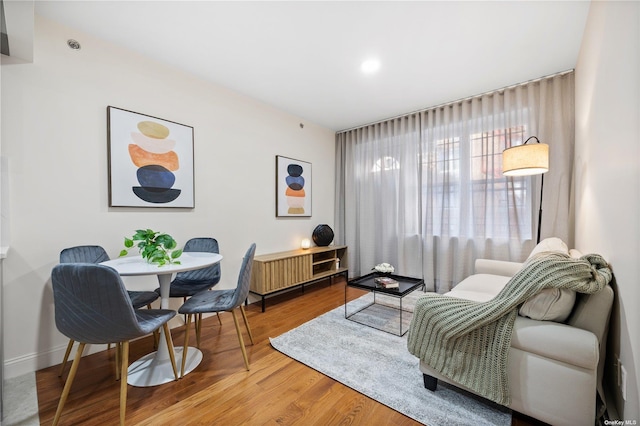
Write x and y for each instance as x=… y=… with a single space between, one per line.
x=425 y=192
x=380 y=195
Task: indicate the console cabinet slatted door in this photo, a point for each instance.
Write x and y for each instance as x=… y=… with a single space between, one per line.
x=273 y=272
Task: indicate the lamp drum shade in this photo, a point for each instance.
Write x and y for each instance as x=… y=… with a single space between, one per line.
x=525 y=160
x=305 y=243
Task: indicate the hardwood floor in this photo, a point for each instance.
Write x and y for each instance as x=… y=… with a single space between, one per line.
x=277 y=390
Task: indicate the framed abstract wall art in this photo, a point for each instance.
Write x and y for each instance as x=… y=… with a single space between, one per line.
x=293 y=187
x=150 y=161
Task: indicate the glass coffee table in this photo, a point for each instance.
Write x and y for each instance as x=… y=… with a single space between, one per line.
x=383 y=313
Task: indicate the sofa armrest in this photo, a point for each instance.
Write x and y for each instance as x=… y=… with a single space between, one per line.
x=556 y=341
x=497 y=267
x=591 y=312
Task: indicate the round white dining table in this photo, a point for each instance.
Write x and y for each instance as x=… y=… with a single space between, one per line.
x=155 y=368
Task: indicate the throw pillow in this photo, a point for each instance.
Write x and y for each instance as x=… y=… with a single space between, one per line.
x=551 y=304
x=575 y=254
x=550 y=244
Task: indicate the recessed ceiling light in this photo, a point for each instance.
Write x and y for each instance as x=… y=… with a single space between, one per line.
x=370 y=66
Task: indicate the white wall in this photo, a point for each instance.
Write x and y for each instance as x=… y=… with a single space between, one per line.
x=55 y=139
x=608 y=174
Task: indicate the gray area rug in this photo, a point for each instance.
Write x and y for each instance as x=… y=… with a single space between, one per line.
x=378 y=365
x=20 y=406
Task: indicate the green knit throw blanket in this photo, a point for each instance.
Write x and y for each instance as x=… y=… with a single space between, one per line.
x=468 y=342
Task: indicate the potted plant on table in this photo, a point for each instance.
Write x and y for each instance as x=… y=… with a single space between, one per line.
x=154 y=246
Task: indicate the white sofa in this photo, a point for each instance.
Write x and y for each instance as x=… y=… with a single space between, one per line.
x=554 y=369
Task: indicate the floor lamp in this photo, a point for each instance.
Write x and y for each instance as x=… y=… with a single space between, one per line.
x=527 y=160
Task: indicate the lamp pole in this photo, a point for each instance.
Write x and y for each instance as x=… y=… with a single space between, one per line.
x=540 y=211
x=541 y=192
x=527 y=160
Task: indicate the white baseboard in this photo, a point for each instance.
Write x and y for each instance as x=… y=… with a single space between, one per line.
x=33 y=362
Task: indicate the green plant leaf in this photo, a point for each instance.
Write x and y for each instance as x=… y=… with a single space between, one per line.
x=123 y=253
x=157 y=255
x=148 y=251
x=170 y=244
x=128 y=243
x=163 y=239
x=176 y=254
x=140 y=235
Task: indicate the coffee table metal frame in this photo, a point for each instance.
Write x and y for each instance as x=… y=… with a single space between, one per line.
x=367 y=282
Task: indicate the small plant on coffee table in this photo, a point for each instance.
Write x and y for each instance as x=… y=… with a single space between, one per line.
x=384 y=268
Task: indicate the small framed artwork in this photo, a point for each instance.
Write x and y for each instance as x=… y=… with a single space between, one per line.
x=150 y=161
x=293 y=187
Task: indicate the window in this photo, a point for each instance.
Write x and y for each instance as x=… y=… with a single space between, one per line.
x=464 y=192
x=385 y=163
x=501 y=199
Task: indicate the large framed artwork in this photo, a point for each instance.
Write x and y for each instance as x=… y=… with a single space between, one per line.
x=150 y=161
x=293 y=187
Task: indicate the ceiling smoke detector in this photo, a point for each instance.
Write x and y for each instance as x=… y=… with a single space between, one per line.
x=73 y=44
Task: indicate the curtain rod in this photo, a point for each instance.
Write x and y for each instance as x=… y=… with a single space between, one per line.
x=468 y=98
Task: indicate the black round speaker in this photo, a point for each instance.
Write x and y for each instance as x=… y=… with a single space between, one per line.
x=322 y=235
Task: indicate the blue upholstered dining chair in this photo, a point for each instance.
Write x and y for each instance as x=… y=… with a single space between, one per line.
x=220 y=301
x=92 y=306
x=97 y=254
x=188 y=283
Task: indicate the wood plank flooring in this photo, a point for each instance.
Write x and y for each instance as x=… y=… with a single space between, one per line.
x=277 y=390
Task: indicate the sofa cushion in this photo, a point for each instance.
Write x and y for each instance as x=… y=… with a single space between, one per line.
x=479 y=287
x=556 y=341
x=551 y=304
x=497 y=267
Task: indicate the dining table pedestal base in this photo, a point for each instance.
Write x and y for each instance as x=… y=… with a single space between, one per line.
x=151 y=370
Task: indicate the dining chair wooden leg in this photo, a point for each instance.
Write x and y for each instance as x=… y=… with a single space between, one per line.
x=67 y=385
x=219 y=320
x=66 y=356
x=123 y=381
x=244 y=351
x=172 y=353
x=186 y=345
x=246 y=323
x=184 y=299
x=198 y=329
x=156 y=334
x=118 y=360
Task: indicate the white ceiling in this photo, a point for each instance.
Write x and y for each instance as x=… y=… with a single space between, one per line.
x=304 y=57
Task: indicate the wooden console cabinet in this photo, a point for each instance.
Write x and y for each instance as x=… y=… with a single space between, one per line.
x=276 y=272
